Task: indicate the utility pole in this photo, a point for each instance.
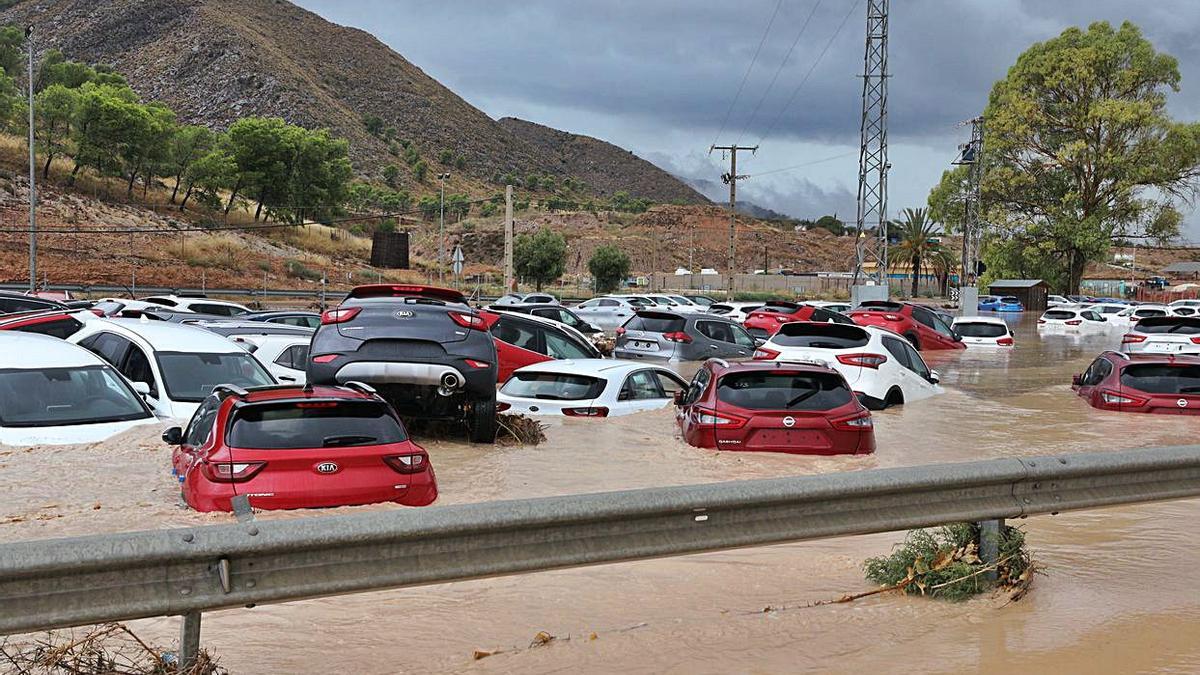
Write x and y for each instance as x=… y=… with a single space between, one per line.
x=442 y=227
x=508 y=239
x=731 y=179
x=873 y=148
x=32 y=171
x=970 y=154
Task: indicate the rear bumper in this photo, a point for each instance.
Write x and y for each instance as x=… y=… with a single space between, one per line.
x=418 y=489
x=389 y=372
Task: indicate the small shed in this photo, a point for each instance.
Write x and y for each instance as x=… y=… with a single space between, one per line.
x=1031 y=292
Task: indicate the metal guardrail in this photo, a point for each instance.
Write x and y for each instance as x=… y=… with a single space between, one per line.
x=164 y=290
x=67 y=582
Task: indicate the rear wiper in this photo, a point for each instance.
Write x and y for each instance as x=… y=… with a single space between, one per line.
x=348 y=439
x=802 y=397
x=1189 y=390
x=549 y=397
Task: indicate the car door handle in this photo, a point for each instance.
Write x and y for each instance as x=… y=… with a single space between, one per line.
x=713 y=347
x=286 y=378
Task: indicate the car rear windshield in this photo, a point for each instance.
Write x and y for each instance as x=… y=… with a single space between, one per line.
x=982 y=330
x=191 y=377
x=314 y=424
x=108 y=307
x=1162 y=378
x=799 y=390
x=655 y=323
x=880 y=306
x=1009 y=300
x=1168 y=326
x=61 y=327
x=1058 y=315
x=821 y=336
x=553 y=386
x=50 y=397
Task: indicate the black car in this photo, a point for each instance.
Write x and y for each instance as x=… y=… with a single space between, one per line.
x=288 y=317
x=18 y=302
x=554 y=313
x=422 y=348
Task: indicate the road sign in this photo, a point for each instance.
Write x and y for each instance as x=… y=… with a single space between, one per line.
x=457 y=260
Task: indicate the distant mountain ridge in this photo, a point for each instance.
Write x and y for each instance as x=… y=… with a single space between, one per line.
x=213 y=61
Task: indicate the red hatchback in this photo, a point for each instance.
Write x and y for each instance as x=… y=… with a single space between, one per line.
x=290 y=447
x=773 y=406
x=766 y=320
x=1146 y=383
x=921 y=326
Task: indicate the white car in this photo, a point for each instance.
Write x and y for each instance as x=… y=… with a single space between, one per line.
x=983 y=331
x=1079 y=318
x=285 y=356
x=1106 y=308
x=527 y=299
x=174 y=365
x=53 y=393
x=123 y=307
x=839 y=307
x=734 y=311
x=588 y=388
x=1186 y=307
x=1131 y=315
x=1053 y=301
x=198 y=305
x=607 y=312
x=879 y=365
x=1163 y=335
x=674 y=303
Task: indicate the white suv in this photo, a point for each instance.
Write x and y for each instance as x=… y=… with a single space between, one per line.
x=198 y=305
x=879 y=365
x=1163 y=335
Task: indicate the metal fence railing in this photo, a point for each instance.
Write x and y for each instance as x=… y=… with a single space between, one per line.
x=68 y=582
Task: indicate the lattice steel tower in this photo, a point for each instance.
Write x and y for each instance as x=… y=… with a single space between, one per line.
x=873 y=151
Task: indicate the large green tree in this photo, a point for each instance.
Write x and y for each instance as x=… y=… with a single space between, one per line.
x=54 y=114
x=1080 y=151
x=609 y=266
x=541 y=257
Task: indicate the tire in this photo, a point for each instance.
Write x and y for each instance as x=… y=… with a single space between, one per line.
x=481 y=420
x=871 y=403
x=912 y=340
x=894 y=397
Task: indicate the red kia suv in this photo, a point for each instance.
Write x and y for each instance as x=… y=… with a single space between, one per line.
x=766 y=320
x=773 y=406
x=1146 y=383
x=291 y=447
x=921 y=326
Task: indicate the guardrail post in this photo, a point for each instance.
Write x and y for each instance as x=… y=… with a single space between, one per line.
x=989 y=546
x=189 y=640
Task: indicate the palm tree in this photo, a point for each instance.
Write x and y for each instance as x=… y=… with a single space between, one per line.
x=918 y=240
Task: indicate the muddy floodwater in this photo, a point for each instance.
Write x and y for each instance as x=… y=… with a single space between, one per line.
x=1120 y=591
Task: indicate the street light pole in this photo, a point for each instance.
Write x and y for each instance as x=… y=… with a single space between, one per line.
x=32 y=171
x=442 y=227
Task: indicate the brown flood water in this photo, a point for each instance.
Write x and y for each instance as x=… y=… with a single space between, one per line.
x=1120 y=593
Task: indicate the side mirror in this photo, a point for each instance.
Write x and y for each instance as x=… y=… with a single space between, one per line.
x=173 y=436
x=934 y=376
x=957 y=337
x=1104 y=318
x=141 y=388
x=678 y=397
x=1076 y=380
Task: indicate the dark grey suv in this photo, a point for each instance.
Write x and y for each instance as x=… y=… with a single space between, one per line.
x=682 y=337
x=422 y=348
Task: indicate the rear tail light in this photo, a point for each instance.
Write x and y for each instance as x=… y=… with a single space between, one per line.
x=593 y=411
x=231 y=472
x=1130 y=338
x=1113 y=398
x=1005 y=342
x=859 y=421
x=1196 y=340
x=502 y=406
x=477 y=364
x=339 y=315
x=678 y=336
x=863 y=360
x=706 y=416
x=620 y=331
x=764 y=354
x=1041 y=321
x=411 y=463
x=1073 y=322
x=472 y=321
x=325 y=358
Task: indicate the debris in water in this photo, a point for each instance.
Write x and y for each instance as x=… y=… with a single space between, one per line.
x=107 y=648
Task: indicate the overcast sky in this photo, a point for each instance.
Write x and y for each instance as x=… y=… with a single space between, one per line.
x=659 y=76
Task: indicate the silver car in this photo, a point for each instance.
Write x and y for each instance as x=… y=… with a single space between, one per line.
x=607 y=312
x=678 y=336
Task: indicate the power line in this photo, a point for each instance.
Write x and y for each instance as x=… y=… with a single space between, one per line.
x=746 y=76
x=800 y=166
x=808 y=74
x=778 y=70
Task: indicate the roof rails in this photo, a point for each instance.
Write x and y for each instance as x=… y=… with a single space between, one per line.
x=359 y=386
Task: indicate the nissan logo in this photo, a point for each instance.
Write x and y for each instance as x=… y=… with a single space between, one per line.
x=327 y=467
x=789 y=422
x=1182 y=403
x=402 y=314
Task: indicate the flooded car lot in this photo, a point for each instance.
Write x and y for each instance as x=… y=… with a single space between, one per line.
x=1117 y=594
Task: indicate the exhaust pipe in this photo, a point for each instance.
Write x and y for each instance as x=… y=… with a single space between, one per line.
x=450 y=383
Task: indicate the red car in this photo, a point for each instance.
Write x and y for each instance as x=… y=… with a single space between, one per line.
x=59 y=323
x=766 y=320
x=773 y=406
x=1146 y=383
x=291 y=447
x=523 y=339
x=921 y=326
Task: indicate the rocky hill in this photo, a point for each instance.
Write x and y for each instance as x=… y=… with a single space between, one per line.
x=216 y=60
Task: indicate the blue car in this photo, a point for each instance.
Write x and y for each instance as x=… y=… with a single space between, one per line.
x=1009 y=304
x=989 y=303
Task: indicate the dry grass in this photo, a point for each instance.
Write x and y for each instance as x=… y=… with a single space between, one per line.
x=329 y=241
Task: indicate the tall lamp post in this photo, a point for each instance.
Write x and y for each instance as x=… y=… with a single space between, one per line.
x=442 y=226
x=32 y=171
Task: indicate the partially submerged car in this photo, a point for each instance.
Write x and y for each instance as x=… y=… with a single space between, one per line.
x=1163 y=335
x=984 y=331
x=1146 y=383
x=588 y=388
x=682 y=337
x=924 y=328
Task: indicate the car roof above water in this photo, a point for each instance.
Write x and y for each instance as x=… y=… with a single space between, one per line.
x=33 y=351
x=173 y=337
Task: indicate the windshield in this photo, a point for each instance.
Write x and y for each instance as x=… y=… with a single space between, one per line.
x=983 y=330
x=1162 y=378
x=1166 y=326
x=314 y=424
x=553 y=386
x=191 y=377
x=1058 y=315
x=656 y=323
x=1009 y=300
x=784 y=390
x=62 y=396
